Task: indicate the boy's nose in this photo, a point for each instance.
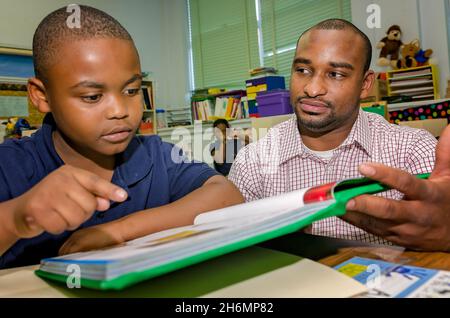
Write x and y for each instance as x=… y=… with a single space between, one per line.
x=117 y=108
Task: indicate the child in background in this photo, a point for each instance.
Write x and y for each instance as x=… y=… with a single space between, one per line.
x=85 y=168
x=226 y=146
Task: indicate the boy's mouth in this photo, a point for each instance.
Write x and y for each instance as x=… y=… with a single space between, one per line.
x=117 y=134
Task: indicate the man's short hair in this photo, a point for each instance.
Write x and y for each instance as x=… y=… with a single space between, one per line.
x=341 y=24
x=54 y=30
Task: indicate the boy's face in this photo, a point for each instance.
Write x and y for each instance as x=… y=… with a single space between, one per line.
x=93 y=92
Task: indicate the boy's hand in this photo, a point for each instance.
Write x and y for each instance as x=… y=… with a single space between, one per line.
x=92 y=238
x=62 y=201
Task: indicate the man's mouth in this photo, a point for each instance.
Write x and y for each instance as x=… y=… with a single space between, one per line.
x=313 y=106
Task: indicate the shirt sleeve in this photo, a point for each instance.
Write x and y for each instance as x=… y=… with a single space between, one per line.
x=184 y=175
x=15 y=173
x=421 y=155
x=245 y=174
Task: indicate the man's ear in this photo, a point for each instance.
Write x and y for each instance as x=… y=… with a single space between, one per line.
x=38 y=95
x=369 y=79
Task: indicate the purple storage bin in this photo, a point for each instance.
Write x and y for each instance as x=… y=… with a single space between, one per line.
x=273 y=103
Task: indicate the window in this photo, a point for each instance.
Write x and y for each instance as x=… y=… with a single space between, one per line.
x=224 y=35
x=224 y=42
x=284 y=20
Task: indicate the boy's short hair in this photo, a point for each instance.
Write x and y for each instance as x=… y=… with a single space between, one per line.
x=55 y=30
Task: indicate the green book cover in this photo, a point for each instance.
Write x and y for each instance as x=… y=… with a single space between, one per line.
x=213 y=234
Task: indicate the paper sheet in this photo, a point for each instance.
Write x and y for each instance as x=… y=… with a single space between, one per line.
x=303 y=279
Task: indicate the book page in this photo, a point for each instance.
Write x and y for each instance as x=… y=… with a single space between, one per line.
x=268 y=206
x=271 y=206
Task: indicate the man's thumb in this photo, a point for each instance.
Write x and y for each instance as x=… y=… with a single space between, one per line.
x=442 y=167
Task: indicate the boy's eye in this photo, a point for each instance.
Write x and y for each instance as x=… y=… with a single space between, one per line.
x=92 y=98
x=132 y=91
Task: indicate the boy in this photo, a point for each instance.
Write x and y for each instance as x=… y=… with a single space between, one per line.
x=85 y=166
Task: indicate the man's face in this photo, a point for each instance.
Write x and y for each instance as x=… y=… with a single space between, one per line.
x=94 y=94
x=327 y=79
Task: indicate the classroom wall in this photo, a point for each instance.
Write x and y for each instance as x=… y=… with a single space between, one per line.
x=158 y=28
x=422 y=19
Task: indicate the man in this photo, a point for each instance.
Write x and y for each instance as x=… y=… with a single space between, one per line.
x=420 y=221
x=330 y=136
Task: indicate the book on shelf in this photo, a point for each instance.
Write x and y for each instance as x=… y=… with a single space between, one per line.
x=410 y=73
x=212 y=234
x=148 y=98
x=263 y=71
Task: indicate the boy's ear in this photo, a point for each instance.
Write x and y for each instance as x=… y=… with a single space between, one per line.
x=368 y=81
x=38 y=95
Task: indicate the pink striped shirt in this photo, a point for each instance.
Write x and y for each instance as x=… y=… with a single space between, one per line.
x=280 y=162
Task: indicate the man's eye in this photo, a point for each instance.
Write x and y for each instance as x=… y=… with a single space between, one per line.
x=337 y=75
x=92 y=98
x=301 y=70
x=132 y=91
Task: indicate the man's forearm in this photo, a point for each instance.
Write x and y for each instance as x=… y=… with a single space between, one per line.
x=216 y=193
x=7 y=236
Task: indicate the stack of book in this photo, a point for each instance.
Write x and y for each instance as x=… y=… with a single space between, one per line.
x=263 y=71
x=418 y=83
x=178 y=117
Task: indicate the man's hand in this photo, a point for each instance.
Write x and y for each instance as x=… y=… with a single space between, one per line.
x=62 y=201
x=92 y=238
x=422 y=219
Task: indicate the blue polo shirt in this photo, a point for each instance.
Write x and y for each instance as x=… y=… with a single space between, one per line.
x=153 y=172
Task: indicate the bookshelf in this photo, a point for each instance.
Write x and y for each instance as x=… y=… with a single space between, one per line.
x=419 y=83
x=229 y=105
x=148 y=124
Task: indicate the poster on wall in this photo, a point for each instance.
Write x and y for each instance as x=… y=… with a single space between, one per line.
x=16 y=63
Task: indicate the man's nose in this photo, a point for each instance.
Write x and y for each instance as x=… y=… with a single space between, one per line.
x=315 y=87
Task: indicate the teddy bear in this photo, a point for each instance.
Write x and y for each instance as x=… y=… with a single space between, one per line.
x=390 y=46
x=413 y=55
x=423 y=57
x=408 y=51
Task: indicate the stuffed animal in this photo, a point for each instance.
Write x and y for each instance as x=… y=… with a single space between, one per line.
x=409 y=51
x=423 y=57
x=390 y=46
x=413 y=55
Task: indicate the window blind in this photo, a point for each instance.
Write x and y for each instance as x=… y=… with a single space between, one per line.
x=224 y=42
x=225 y=36
x=284 y=20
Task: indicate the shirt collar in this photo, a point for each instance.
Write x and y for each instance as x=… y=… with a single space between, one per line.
x=47 y=151
x=134 y=164
x=291 y=144
x=360 y=134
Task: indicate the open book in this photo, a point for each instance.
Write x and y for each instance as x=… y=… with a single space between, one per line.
x=213 y=234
